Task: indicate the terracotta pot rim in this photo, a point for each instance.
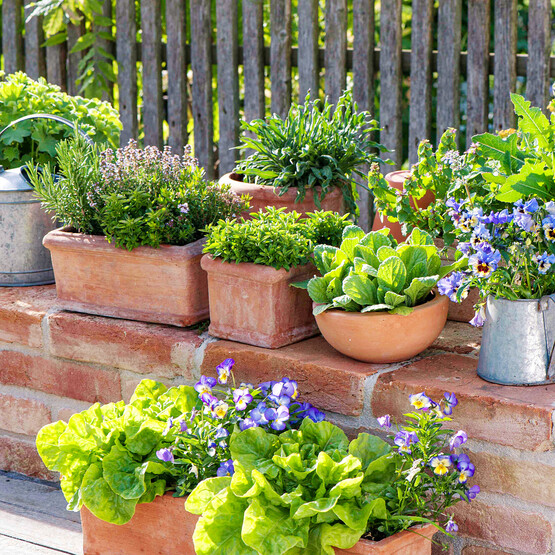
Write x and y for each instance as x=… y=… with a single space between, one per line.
x=233 y=176
x=425 y=306
x=426 y=530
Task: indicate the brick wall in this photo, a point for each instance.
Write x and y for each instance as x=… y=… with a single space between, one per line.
x=55 y=363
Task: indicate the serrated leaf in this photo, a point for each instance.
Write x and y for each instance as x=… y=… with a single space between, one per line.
x=532 y=120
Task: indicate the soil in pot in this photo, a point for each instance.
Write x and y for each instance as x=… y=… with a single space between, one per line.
x=380 y=337
x=263 y=195
x=396 y=180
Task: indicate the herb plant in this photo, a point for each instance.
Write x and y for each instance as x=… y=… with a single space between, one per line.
x=317 y=146
x=308 y=491
x=36 y=140
x=133 y=196
x=274 y=238
x=114 y=456
x=370 y=272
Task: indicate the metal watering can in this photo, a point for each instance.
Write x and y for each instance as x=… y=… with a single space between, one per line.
x=23 y=224
x=518 y=342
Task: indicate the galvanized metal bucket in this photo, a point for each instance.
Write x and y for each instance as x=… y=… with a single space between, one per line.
x=518 y=342
x=23 y=224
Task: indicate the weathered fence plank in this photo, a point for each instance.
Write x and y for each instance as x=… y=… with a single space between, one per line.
x=107 y=46
x=74 y=31
x=505 y=63
x=126 y=48
x=391 y=76
x=280 y=55
x=363 y=84
x=56 y=65
x=35 y=56
x=228 y=82
x=477 y=69
x=539 y=47
x=176 y=20
x=12 y=38
x=420 y=76
x=336 y=48
x=201 y=62
x=309 y=74
x=152 y=71
x=448 y=66
x=253 y=59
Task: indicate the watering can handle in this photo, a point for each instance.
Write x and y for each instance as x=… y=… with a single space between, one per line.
x=51 y=117
x=543 y=306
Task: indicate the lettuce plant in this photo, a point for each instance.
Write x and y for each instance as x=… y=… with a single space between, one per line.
x=371 y=272
x=114 y=456
x=274 y=238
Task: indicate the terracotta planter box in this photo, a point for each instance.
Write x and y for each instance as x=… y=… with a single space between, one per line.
x=163 y=527
x=164 y=285
x=396 y=180
x=255 y=304
x=263 y=196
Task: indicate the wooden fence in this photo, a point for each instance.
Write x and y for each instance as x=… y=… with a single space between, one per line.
x=351 y=55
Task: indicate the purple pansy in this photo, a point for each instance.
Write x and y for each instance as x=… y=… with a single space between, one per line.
x=278 y=417
x=242 y=398
x=208 y=399
x=451 y=526
x=404 y=440
x=165 y=455
x=224 y=370
x=522 y=213
x=548 y=225
x=450 y=402
x=421 y=401
x=258 y=414
x=205 y=385
x=449 y=285
x=457 y=440
x=479 y=318
x=385 y=421
x=484 y=263
x=466 y=471
x=544 y=262
x=225 y=469
x=473 y=492
x=247 y=423
x=183 y=426
x=286 y=387
x=314 y=414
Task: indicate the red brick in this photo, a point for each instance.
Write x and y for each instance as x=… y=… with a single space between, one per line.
x=20 y=455
x=441 y=540
x=66 y=379
x=21 y=312
x=23 y=416
x=460 y=338
x=144 y=348
x=515 y=416
x=504 y=527
x=479 y=550
x=326 y=378
x=529 y=481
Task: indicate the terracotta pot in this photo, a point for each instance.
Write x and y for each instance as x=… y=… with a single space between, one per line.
x=463 y=311
x=396 y=180
x=263 y=195
x=408 y=542
x=255 y=304
x=381 y=337
x=162 y=527
x=164 y=285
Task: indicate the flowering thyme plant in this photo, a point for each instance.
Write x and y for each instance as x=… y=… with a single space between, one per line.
x=510 y=252
x=431 y=474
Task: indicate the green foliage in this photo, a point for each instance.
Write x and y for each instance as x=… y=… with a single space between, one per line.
x=372 y=273
x=314 y=147
x=37 y=139
x=274 y=238
x=135 y=197
x=303 y=492
x=107 y=454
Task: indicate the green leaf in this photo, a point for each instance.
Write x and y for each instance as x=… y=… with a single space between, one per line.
x=402 y=310
x=419 y=237
x=253 y=447
x=356 y=517
x=124 y=474
x=532 y=120
x=327 y=436
x=392 y=274
x=368 y=448
x=146 y=393
x=393 y=299
x=360 y=289
x=311 y=508
x=202 y=495
x=323 y=257
x=339 y=536
x=419 y=289
x=321 y=308
x=317 y=289
x=385 y=252
x=377 y=307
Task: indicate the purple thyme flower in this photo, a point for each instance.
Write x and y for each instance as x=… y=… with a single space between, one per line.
x=224 y=370
x=450 y=402
x=457 y=440
x=205 y=385
x=473 y=492
x=165 y=455
x=226 y=469
x=183 y=208
x=241 y=398
x=451 y=526
x=479 y=318
x=404 y=440
x=279 y=417
x=449 y=285
x=385 y=421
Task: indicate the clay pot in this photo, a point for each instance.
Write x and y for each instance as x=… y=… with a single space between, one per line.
x=402 y=543
x=162 y=527
x=396 y=180
x=255 y=304
x=164 y=285
x=381 y=337
x=263 y=195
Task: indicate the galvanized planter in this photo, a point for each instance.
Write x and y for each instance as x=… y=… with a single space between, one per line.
x=518 y=342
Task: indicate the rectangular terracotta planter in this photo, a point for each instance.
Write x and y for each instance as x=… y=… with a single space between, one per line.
x=164 y=285
x=164 y=527
x=255 y=304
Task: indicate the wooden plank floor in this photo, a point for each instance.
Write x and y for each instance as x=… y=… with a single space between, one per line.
x=34 y=520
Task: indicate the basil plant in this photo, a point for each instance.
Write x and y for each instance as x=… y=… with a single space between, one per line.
x=370 y=272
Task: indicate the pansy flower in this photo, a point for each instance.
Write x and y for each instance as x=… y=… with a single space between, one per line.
x=479 y=318
x=451 y=526
x=404 y=440
x=242 y=398
x=450 y=402
x=278 y=417
x=484 y=263
x=165 y=455
x=258 y=414
x=420 y=401
x=473 y=492
x=169 y=425
x=522 y=213
x=544 y=262
x=385 y=421
x=225 y=469
x=220 y=409
x=224 y=370
x=183 y=426
x=315 y=415
x=480 y=235
x=247 y=423
x=205 y=385
x=449 y=285
x=457 y=440
x=548 y=225
x=286 y=387
x=440 y=464
x=466 y=471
